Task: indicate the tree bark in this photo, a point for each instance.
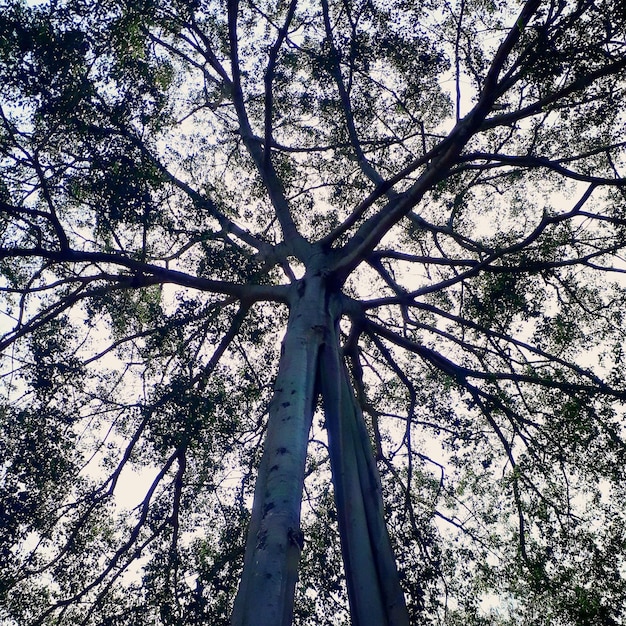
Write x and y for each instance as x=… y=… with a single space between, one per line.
x=266 y=590
x=311 y=354
x=372 y=579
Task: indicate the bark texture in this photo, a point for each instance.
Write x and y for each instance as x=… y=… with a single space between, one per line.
x=372 y=577
x=311 y=362
x=265 y=596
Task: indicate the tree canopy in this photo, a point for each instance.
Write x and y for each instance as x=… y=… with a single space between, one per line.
x=339 y=285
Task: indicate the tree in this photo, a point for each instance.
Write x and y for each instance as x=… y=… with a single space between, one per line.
x=424 y=201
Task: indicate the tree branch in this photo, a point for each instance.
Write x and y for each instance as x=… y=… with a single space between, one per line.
x=150 y=274
x=293 y=239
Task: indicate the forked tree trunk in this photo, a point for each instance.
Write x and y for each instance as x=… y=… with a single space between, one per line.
x=266 y=590
x=311 y=351
x=372 y=579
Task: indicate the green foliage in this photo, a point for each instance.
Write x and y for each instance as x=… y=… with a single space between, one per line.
x=173 y=177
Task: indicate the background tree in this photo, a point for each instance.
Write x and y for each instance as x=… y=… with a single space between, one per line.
x=424 y=200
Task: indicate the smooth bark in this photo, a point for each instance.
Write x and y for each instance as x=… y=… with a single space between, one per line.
x=266 y=591
x=311 y=362
x=372 y=579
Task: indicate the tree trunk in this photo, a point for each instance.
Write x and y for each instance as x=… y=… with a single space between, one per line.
x=266 y=590
x=311 y=351
x=372 y=579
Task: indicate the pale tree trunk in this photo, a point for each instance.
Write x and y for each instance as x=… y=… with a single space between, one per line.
x=311 y=352
x=372 y=579
x=266 y=590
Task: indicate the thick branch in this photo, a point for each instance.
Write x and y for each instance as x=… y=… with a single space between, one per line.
x=534 y=162
x=264 y=166
x=147 y=273
x=270 y=72
x=346 y=105
x=461 y=373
